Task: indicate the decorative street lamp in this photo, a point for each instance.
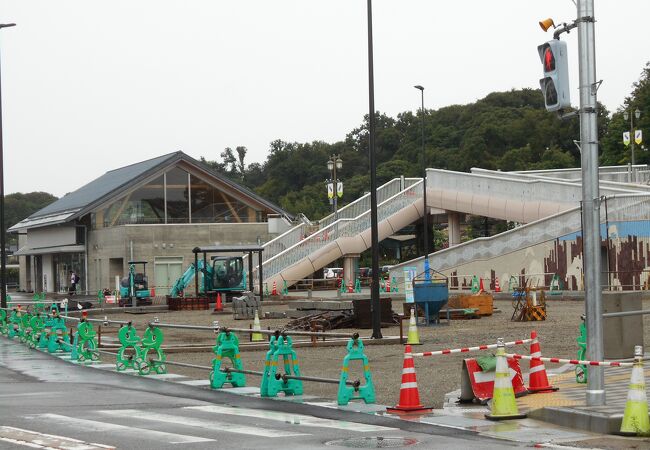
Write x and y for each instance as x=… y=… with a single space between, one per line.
x=333 y=192
x=3 y=250
x=425 y=221
x=631 y=137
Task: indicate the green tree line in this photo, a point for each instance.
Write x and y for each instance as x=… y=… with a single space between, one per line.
x=504 y=131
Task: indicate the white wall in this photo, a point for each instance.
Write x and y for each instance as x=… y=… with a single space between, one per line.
x=51 y=236
x=48 y=274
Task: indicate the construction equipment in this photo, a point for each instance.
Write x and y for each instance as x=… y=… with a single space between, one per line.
x=134 y=288
x=225 y=275
x=529 y=304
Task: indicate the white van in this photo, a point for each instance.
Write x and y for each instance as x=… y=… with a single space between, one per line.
x=333 y=272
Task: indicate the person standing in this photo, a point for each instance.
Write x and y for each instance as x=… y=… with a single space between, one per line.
x=73 y=282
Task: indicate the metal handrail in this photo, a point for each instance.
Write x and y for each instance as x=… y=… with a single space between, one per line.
x=342 y=228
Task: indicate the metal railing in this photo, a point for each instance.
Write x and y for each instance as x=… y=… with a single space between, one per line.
x=343 y=227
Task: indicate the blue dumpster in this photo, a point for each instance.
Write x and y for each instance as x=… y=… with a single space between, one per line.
x=431 y=294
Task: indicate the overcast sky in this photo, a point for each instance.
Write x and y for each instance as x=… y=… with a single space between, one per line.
x=90 y=86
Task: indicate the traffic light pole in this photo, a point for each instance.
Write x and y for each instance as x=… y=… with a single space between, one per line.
x=590 y=199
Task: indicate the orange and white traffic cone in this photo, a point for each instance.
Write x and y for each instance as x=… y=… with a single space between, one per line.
x=274 y=291
x=218 y=305
x=497 y=288
x=350 y=287
x=480 y=286
x=387 y=284
x=538 y=381
x=409 y=396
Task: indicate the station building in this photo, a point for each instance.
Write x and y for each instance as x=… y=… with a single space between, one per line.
x=156 y=210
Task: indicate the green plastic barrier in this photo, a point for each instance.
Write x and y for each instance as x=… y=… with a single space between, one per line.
x=129 y=354
x=86 y=345
x=271 y=385
x=227 y=346
x=581 y=370
x=3 y=322
x=347 y=393
x=153 y=357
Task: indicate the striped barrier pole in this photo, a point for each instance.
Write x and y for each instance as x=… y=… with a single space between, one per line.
x=572 y=361
x=472 y=349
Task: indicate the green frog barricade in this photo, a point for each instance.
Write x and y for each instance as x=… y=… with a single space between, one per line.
x=281 y=365
x=282 y=373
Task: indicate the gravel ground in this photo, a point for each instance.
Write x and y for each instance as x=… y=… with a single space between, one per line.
x=436 y=375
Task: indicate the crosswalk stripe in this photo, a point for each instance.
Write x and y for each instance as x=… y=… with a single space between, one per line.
x=93 y=425
x=34 y=439
x=201 y=423
x=296 y=419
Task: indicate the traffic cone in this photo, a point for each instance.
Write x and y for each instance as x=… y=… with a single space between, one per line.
x=275 y=288
x=256 y=337
x=409 y=396
x=218 y=306
x=635 y=418
x=413 y=336
x=538 y=381
x=480 y=286
x=497 y=288
x=504 y=405
x=387 y=284
x=350 y=287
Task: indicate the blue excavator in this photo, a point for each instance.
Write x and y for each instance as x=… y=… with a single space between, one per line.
x=225 y=275
x=135 y=286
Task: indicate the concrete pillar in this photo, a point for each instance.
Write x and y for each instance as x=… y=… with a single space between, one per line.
x=453 y=227
x=350 y=267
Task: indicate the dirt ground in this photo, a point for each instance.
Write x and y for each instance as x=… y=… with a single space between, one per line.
x=436 y=375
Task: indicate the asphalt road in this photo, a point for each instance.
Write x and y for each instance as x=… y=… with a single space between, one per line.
x=48 y=403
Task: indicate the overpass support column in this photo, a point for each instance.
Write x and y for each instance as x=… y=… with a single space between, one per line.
x=350 y=268
x=453 y=227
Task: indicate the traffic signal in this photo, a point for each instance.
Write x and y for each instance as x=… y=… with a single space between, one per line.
x=555 y=84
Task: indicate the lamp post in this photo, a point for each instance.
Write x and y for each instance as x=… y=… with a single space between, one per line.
x=374 y=229
x=335 y=162
x=425 y=219
x=637 y=114
x=3 y=250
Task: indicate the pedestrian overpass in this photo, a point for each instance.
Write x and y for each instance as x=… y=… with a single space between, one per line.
x=543 y=199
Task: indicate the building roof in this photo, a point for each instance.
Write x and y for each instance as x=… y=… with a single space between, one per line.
x=113 y=183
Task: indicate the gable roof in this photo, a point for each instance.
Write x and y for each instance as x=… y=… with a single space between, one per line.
x=114 y=182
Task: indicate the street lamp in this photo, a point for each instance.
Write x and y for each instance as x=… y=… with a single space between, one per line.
x=374 y=227
x=335 y=162
x=626 y=115
x=3 y=250
x=425 y=221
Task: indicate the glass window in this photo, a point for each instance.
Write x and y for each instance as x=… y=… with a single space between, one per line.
x=177 y=196
x=144 y=205
x=211 y=205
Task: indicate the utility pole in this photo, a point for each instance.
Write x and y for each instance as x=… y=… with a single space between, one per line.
x=590 y=199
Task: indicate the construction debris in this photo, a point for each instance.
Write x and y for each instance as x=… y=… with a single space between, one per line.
x=323 y=321
x=244 y=307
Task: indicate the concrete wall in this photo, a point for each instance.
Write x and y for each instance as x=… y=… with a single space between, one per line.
x=150 y=241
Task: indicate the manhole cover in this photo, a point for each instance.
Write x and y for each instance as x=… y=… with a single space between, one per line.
x=373 y=442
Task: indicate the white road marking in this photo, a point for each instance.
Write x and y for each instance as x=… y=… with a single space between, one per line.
x=196 y=382
x=35 y=394
x=35 y=439
x=201 y=423
x=92 y=425
x=295 y=419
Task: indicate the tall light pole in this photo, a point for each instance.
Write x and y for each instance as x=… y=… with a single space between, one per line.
x=335 y=162
x=374 y=234
x=3 y=250
x=637 y=114
x=425 y=221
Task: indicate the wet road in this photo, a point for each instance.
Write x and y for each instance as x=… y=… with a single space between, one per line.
x=48 y=403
